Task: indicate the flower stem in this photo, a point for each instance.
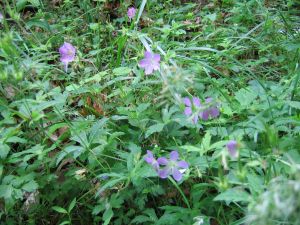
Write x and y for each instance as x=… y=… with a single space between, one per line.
x=180 y=191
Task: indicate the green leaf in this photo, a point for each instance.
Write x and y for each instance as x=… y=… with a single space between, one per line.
x=233 y=195
x=245 y=96
x=294 y=104
x=30 y=186
x=60 y=210
x=108 y=214
x=72 y=204
x=65 y=222
x=4 y=150
x=121 y=71
x=38 y=23
x=6 y=191
x=154 y=128
x=35 y=3
x=21 y=5
x=97 y=209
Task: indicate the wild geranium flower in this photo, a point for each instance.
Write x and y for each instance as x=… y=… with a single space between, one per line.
x=195 y=105
x=150 y=62
x=67 y=54
x=211 y=111
x=172 y=166
x=188 y=111
x=131 y=12
x=232 y=148
x=149 y=158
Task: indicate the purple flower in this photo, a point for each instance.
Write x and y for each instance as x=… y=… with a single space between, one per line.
x=211 y=111
x=150 y=62
x=131 y=12
x=171 y=166
x=188 y=111
x=149 y=158
x=205 y=112
x=67 y=54
x=232 y=148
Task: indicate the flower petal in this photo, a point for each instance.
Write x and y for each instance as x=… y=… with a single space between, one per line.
x=187 y=101
x=183 y=164
x=195 y=119
x=149 y=157
x=231 y=145
x=156 y=58
x=204 y=115
x=174 y=155
x=208 y=100
x=163 y=173
x=144 y=63
x=214 y=112
x=155 y=65
x=148 y=55
x=232 y=148
x=162 y=161
x=188 y=111
x=148 y=69
x=196 y=102
x=176 y=174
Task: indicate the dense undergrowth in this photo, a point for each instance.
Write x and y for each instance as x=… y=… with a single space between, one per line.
x=89 y=123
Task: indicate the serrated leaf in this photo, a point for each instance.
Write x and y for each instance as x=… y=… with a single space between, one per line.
x=107 y=215
x=245 y=96
x=30 y=186
x=154 y=128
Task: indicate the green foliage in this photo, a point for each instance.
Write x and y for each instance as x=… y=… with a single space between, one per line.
x=72 y=145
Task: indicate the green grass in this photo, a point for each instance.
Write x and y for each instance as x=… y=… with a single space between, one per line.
x=72 y=145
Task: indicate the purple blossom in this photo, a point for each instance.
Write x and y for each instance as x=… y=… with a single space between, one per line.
x=150 y=62
x=211 y=111
x=206 y=111
x=149 y=158
x=67 y=54
x=171 y=166
x=131 y=12
x=188 y=111
x=232 y=148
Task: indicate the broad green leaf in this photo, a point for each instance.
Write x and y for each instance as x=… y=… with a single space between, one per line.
x=233 y=195
x=108 y=214
x=6 y=191
x=245 y=96
x=154 y=128
x=294 y=104
x=38 y=23
x=20 y=4
x=30 y=186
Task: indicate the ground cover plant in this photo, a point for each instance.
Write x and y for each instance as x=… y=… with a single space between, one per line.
x=149 y=112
